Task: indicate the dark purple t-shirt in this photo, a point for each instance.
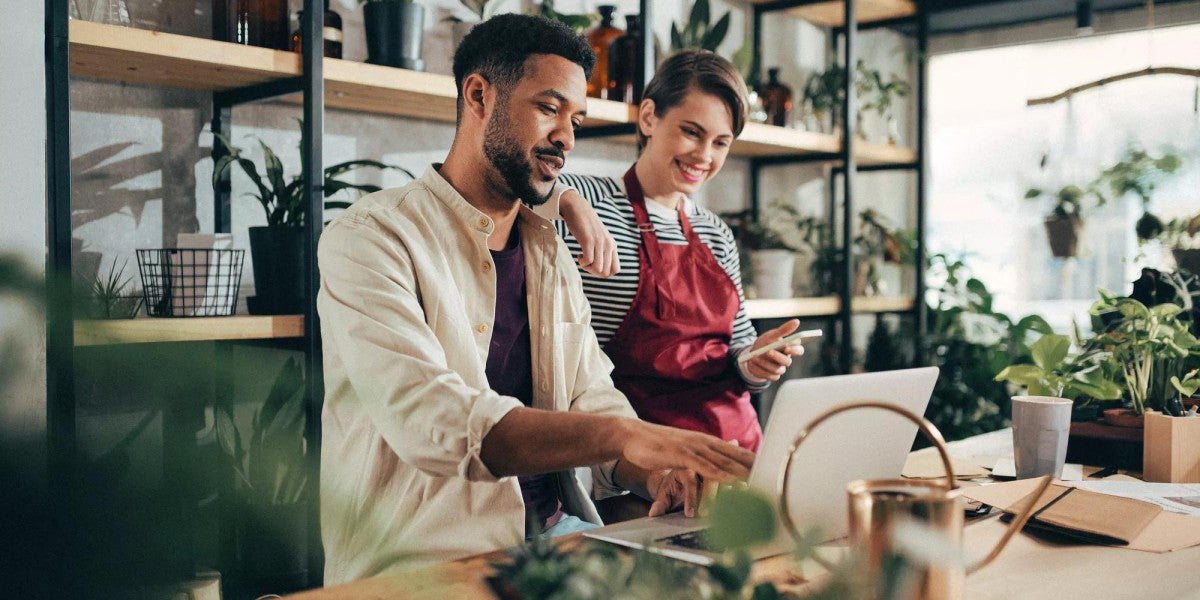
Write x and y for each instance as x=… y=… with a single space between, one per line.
x=510 y=371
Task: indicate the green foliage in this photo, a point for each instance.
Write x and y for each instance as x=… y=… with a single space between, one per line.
x=484 y=9
x=1069 y=200
x=698 y=33
x=271 y=470
x=970 y=341
x=1052 y=374
x=779 y=227
x=283 y=200
x=743 y=517
x=825 y=92
x=740 y=519
x=109 y=296
x=1138 y=173
x=579 y=22
x=1149 y=345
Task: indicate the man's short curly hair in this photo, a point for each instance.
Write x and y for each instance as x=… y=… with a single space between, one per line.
x=499 y=47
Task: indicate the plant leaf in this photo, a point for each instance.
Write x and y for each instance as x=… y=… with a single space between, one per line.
x=713 y=38
x=1050 y=351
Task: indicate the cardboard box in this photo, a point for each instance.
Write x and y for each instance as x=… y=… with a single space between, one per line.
x=1172 y=449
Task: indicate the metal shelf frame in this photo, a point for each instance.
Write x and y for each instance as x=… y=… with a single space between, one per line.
x=847 y=159
x=60 y=347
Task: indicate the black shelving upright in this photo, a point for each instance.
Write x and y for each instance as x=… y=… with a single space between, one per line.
x=60 y=342
x=847 y=162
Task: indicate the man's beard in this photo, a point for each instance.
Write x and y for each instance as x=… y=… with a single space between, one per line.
x=503 y=151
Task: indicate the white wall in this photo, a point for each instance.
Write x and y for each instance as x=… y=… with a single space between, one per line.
x=23 y=229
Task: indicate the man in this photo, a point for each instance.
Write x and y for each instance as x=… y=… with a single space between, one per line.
x=464 y=382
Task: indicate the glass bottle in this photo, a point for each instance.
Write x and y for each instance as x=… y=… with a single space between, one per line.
x=331 y=32
x=254 y=23
x=601 y=39
x=777 y=99
x=625 y=73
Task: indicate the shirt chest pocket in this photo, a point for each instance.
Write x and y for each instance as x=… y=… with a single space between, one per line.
x=572 y=345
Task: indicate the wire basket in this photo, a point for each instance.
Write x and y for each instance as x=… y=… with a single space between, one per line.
x=190 y=282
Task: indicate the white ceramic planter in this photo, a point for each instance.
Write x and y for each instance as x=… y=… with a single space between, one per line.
x=772 y=272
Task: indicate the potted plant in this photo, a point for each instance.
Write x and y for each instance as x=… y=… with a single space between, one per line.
x=1065 y=222
x=1150 y=344
x=875 y=244
x=879 y=96
x=278 y=250
x=394 y=29
x=109 y=296
x=773 y=240
x=578 y=22
x=270 y=484
x=824 y=94
x=698 y=32
x=482 y=10
x=1138 y=173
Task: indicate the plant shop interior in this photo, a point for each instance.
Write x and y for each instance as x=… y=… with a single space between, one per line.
x=983 y=216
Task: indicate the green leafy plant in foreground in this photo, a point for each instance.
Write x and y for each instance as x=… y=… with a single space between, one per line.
x=270 y=469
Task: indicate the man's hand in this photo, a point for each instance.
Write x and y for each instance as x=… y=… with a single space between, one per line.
x=655 y=448
x=599 y=248
x=672 y=487
x=771 y=365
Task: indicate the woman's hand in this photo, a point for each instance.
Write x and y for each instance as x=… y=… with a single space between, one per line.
x=599 y=248
x=771 y=365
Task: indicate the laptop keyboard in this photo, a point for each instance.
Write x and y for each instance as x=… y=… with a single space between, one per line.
x=692 y=540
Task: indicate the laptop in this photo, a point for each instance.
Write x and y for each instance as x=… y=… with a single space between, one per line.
x=860 y=444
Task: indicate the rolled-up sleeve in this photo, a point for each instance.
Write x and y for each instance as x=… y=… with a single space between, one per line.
x=375 y=329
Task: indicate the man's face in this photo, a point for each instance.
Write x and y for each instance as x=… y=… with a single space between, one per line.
x=531 y=129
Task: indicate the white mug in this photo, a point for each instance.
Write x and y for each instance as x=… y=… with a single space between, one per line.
x=1040 y=427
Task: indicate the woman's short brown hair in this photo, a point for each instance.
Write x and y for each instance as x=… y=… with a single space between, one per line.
x=700 y=70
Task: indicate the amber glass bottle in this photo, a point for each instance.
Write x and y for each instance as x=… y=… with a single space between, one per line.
x=331 y=32
x=777 y=99
x=253 y=22
x=601 y=39
x=625 y=79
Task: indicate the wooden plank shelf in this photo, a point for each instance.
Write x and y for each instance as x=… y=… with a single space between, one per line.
x=832 y=13
x=823 y=306
x=190 y=329
x=116 y=53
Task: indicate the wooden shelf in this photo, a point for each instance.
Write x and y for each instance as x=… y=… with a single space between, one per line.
x=830 y=14
x=195 y=329
x=823 y=306
x=118 y=53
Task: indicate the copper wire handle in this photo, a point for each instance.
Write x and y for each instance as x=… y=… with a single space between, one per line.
x=933 y=435
x=931 y=432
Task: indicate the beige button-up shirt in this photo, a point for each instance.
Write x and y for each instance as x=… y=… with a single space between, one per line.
x=407 y=302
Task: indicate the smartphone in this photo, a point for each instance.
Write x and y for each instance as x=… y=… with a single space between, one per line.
x=796 y=338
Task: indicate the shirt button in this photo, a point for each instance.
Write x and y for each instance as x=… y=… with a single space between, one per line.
x=482 y=328
x=483 y=222
x=487 y=266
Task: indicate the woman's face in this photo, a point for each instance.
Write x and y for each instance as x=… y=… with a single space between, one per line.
x=688 y=144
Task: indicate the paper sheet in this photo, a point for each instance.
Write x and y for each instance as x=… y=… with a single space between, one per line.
x=1169 y=531
x=926 y=465
x=1182 y=498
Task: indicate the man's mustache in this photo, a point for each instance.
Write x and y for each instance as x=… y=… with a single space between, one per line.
x=551 y=151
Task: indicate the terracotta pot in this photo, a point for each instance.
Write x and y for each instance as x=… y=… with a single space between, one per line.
x=1123 y=417
x=1063 y=234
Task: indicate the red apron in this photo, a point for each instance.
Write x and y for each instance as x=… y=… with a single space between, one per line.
x=671 y=354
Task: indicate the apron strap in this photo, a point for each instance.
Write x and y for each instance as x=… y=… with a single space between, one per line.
x=664 y=301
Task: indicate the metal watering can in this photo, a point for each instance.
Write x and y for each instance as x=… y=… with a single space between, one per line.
x=876 y=507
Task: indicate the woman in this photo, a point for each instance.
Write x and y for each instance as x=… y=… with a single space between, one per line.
x=673 y=318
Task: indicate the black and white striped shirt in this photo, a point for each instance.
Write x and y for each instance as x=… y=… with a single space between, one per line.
x=612 y=297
